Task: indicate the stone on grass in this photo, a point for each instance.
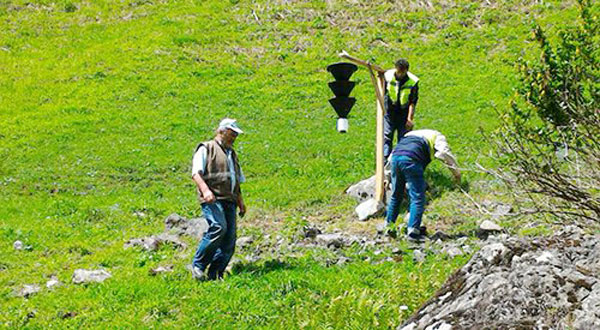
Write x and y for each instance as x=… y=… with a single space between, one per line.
x=154 y=242
x=18 y=245
x=160 y=269
x=502 y=210
x=179 y=225
x=369 y=208
x=53 y=282
x=330 y=240
x=452 y=251
x=244 y=241
x=81 y=276
x=311 y=231
x=418 y=256
x=28 y=290
x=362 y=190
x=489 y=226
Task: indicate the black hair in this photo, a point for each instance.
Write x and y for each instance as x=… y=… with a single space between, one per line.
x=402 y=63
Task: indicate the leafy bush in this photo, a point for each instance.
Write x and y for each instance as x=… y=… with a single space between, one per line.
x=549 y=141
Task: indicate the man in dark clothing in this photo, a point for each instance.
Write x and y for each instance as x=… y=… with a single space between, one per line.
x=401 y=96
x=409 y=159
x=217 y=174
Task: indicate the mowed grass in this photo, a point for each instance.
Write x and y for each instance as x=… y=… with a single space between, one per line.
x=102 y=104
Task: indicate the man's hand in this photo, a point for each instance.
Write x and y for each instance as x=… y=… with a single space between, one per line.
x=409 y=125
x=208 y=196
x=457 y=178
x=242 y=207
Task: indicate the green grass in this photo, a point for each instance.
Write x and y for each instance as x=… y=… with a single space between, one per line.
x=102 y=104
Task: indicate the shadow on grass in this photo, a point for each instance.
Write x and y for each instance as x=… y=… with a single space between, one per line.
x=261 y=267
x=439 y=182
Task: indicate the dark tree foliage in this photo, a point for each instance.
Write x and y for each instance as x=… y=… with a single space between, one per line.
x=549 y=140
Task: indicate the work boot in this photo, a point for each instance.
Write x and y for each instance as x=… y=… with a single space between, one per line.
x=415 y=238
x=198 y=274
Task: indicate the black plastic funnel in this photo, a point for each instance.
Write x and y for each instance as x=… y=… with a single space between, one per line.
x=342 y=70
x=342 y=87
x=342 y=105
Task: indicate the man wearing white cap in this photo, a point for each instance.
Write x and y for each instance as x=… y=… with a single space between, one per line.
x=217 y=174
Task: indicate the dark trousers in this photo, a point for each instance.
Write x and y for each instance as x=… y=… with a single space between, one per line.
x=218 y=243
x=394 y=121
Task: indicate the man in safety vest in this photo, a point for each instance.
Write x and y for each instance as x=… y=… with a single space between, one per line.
x=217 y=174
x=401 y=96
x=409 y=159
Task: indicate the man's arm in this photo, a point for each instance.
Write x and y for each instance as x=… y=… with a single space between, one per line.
x=413 y=98
x=442 y=152
x=207 y=194
x=241 y=205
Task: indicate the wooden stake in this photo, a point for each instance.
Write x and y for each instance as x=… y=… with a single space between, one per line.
x=379 y=85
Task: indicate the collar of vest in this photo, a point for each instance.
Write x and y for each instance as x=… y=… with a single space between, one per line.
x=390 y=75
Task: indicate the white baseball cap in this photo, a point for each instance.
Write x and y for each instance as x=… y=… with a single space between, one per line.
x=230 y=124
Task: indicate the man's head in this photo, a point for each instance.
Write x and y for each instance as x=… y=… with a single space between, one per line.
x=228 y=131
x=401 y=68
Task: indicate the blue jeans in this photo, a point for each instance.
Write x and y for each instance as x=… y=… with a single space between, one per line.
x=218 y=243
x=393 y=121
x=405 y=170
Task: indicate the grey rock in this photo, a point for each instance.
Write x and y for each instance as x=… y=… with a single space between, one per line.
x=489 y=226
x=520 y=283
x=368 y=209
x=502 y=210
x=439 y=235
x=452 y=251
x=244 y=241
x=310 y=231
x=161 y=269
x=88 y=276
x=365 y=189
x=154 y=242
x=492 y=253
x=28 y=290
x=18 y=245
x=330 y=240
x=343 y=261
x=53 y=282
x=418 y=256
x=179 y=225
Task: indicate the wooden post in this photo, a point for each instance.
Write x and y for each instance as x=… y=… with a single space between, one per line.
x=379 y=175
x=379 y=85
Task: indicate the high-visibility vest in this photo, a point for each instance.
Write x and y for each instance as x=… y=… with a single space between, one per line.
x=393 y=87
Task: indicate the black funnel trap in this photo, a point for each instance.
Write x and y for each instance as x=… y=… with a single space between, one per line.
x=342 y=70
x=341 y=87
x=342 y=105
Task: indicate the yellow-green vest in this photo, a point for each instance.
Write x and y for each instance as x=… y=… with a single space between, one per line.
x=393 y=87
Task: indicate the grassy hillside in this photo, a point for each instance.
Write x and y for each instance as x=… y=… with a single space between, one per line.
x=102 y=104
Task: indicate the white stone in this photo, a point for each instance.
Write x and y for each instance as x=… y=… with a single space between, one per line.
x=53 y=282
x=488 y=225
x=368 y=208
x=18 y=245
x=28 y=290
x=87 y=276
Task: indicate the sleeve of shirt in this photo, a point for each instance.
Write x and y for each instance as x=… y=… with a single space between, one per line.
x=414 y=94
x=442 y=152
x=242 y=177
x=199 y=161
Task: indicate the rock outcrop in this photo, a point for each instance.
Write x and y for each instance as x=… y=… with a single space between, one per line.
x=521 y=283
